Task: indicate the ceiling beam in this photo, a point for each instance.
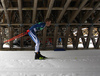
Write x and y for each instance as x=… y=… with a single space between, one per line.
x=34 y=11
x=77 y=3
x=90 y=5
x=87 y=15
x=75 y=13
x=20 y=10
x=5 y=11
x=63 y=11
x=41 y=0
x=54 y=8
x=49 y=9
x=27 y=24
x=96 y=18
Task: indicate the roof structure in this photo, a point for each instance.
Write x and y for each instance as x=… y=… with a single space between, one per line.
x=15 y=12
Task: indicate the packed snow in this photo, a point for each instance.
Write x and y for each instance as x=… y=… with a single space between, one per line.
x=59 y=63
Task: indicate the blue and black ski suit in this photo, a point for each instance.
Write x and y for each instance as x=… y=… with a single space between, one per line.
x=32 y=33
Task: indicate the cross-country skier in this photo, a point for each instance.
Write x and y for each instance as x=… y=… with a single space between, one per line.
x=32 y=33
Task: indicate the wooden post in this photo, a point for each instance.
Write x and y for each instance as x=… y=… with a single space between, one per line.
x=20 y=10
x=63 y=42
x=78 y=35
x=35 y=10
x=66 y=36
x=10 y=36
x=7 y=17
x=83 y=40
x=44 y=37
x=1 y=46
x=21 y=21
x=98 y=41
x=21 y=39
x=55 y=36
x=89 y=36
x=73 y=39
x=3 y=33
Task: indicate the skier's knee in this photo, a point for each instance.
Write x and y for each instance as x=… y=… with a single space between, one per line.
x=38 y=43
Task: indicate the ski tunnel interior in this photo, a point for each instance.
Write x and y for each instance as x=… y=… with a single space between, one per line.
x=75 y=24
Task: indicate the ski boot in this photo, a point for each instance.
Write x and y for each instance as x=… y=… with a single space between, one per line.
x=39 y=56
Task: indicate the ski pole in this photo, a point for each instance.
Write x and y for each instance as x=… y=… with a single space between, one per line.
x=18 y=36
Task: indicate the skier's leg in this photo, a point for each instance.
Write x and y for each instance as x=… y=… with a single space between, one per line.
x=37 y=51
x=35 y=39
x=37 y=45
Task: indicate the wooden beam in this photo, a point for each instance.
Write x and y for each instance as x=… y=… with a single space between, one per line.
x=62 y=3
x=78 y=35
x=21 y=39
x=44 y=37
x=96 y=18
x=87 y=15
x=5 y=11
x=72 y=24
x=75 y=13
x=77 y=3
x=21 y=21
x=3 y=33
x=34 y=11
x=20 y=10
x=10 y=27
x=49 y=9
x=89 y=36
x=98 y=41
x=10 y=12
x=54 y=8
x=63 y=11
x=3 y=18
x=73 y=38
x=66 y=36
x=41 y=0
x=1 y=46
x=83 y=39
x=10 y=36
x=55 y=36
x=12 y=21
x=90 y=5
x=8 y=19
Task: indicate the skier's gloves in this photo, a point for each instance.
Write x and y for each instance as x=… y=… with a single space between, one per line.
x=28 y=31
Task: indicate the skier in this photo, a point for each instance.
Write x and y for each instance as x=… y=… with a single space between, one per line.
x=32 y=33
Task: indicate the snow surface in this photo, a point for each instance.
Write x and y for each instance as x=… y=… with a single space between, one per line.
x=59 y=63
